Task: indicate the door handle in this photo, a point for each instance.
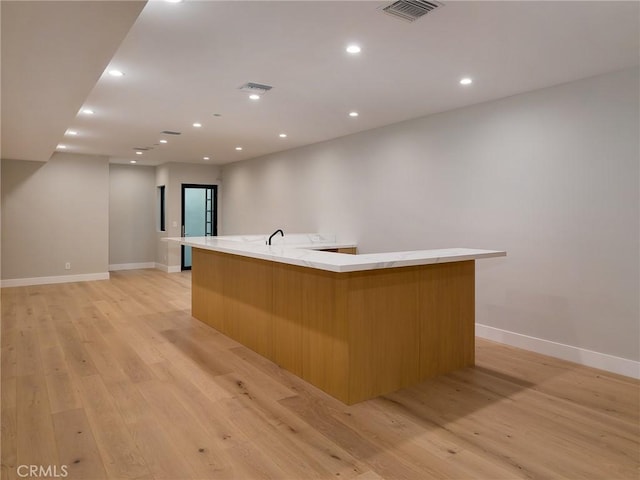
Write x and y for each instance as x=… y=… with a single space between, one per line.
x=183 y=234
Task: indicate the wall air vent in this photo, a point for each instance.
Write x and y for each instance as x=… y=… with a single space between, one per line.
x=255 y=88
x=410 y=10
x=169 y=132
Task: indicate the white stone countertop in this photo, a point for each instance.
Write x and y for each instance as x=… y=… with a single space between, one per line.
x=302 y=250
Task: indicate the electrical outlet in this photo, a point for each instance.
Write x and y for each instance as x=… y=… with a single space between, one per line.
x=67 y=266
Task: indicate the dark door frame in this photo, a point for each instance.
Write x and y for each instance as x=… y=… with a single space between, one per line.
x=214 y=214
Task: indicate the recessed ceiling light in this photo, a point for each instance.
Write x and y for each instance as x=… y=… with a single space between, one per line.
x=353 y=114
x=283 y=135
x=87 y=111
x=206 y=158
x=163 y=141
x=253 y=96
x=132 y=161
x=72 y=132
x=173 y=1
x=116 y=73
x=138 y=153
x=62 y=147
x=197 y=125
x=466 y=81
x=238 y=148
x=353 y=49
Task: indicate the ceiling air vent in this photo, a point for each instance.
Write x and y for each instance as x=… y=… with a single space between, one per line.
x=410 y=10
x=256 y=88
x=169 y=132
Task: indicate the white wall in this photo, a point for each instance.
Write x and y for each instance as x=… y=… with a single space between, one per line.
x=133 y=212
x=52 y=213
x=551 y=176
x=172 y=176
x=96 y=216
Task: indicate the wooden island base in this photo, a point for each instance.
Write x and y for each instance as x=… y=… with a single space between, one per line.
x=354 y=335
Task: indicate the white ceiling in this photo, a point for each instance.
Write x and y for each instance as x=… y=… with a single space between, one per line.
x=184 y=62
x=53 y=53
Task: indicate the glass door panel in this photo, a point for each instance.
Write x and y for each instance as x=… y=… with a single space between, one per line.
x=198 y=215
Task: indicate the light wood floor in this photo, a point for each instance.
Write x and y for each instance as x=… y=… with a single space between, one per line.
x=115 y=380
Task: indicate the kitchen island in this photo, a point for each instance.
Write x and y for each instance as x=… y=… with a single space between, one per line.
x=355 y=326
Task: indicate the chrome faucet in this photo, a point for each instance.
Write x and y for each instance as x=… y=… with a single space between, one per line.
x=273 y=234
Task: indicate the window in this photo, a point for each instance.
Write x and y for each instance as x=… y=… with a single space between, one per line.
x=161 y=209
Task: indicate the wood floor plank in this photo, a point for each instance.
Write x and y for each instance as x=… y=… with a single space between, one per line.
x=174 y=370
x=29 y=361
x=437 y=452
x=185 y=344
x=322 y=417
x=434 y=404
x=9 y=440
x=244 y=457
x=194 y=442
x=586 y=386
x=246 y=370
x=160 y=395
x=113 y=312
x=132 y=365
x=53 y=360
x=45 y=330
x=92 y=314
x=120 y=454
x=76 y=446
x=140 y=299
x=170 y=320
x=10 y=299
x=370 y=475
x=104 y=358
x=288 y=440
x=586 y=426
x=8 y=394
x=63 y=393
x=76 y=355
x=155 y=442
x=35 y=439
x=233 y=430
x=9 y=353
x=145 y=350
x=8 y=428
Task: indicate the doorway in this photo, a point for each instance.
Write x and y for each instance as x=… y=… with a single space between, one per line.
x=199 y=215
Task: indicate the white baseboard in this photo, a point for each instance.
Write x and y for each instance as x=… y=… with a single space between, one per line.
x=589 y=358
x=167 y=269
x=24 y=282
x=131 y=266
